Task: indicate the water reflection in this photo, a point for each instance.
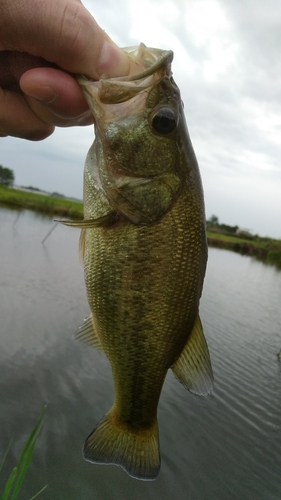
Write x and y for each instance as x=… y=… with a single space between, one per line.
x=226 y=446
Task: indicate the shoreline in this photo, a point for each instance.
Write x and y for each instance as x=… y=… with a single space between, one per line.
x=40 y=202
x=267 y=250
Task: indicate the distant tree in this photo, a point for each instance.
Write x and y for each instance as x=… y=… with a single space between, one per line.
x=229 y=229
x=57 y=195
x=213 y=225
x=214 y=220
x=7 y=176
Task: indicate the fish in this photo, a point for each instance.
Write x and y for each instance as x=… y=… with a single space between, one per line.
x=143 y=244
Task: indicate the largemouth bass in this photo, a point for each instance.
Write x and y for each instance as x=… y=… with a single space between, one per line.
x=144 y=248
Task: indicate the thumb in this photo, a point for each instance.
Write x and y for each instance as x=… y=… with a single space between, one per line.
x=62 y=32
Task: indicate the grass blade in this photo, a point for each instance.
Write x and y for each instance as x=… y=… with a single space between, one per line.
x=9 y=484
x=5 y=454
x=39 y=492
x=27 y=454
x=16 y=477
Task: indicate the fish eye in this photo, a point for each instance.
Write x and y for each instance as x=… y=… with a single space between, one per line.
x=164 y=121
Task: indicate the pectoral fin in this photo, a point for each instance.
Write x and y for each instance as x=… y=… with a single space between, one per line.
x=193 y=368
x=104 y=221
x=82 y=246
x=87 y=334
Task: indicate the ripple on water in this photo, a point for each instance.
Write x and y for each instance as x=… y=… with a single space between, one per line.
x=225 y=446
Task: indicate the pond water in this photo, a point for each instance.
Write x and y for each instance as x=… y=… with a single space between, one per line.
x=225 y=446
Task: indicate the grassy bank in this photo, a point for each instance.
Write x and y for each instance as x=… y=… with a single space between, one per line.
x=48 y=204
x=267 y=250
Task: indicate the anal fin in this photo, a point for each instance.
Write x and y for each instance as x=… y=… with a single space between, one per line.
x=87 y=334
x=193 y=368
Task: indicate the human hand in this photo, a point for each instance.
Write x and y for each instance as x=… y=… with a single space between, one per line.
x=41 y=43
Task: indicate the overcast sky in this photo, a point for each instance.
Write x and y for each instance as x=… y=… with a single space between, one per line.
x=227 y=64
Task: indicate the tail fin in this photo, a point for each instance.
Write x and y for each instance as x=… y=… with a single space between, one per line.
x=137 y=452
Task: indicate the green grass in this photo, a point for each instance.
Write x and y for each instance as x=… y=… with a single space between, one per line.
x=40 y=202
x=15 y=479
x=267 y=250
x=224 y=237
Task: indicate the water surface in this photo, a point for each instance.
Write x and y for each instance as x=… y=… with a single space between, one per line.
x=225 y=446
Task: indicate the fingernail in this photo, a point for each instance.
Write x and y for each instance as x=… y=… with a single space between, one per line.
x=113 y=61
x=44 y=94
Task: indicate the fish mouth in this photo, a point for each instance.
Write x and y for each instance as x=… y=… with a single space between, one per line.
x=149 y=58
x=156 y=63
x=152 y=59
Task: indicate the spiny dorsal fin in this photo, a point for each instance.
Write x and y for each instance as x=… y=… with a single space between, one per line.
x=193 y=368
x=87 y=334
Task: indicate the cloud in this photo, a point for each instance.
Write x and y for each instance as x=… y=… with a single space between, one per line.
x=227 y=65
